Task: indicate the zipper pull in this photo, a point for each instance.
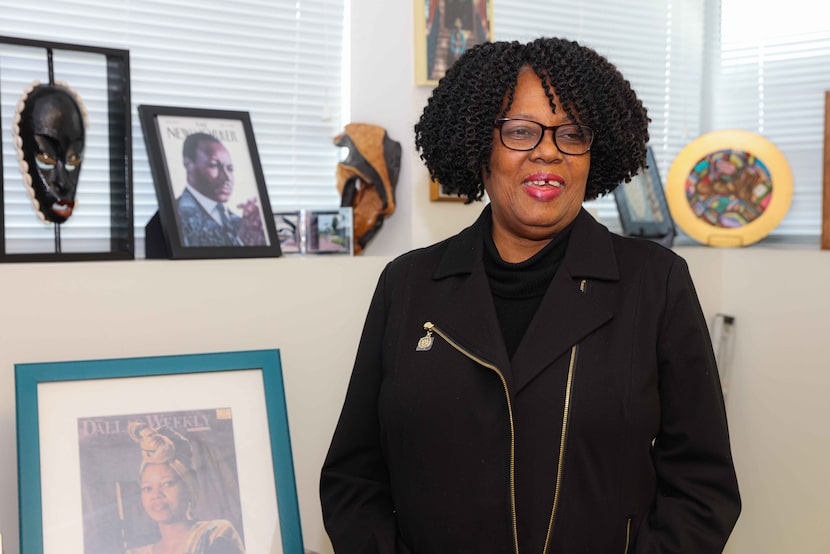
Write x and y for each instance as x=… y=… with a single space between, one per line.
x=425 y=342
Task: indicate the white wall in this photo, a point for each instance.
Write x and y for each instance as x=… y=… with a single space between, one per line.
x=778 y=398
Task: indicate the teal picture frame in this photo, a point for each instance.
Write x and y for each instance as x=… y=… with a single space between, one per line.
x=234 y=378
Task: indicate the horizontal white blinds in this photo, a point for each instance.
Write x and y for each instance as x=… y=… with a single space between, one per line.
x=775 y=86
x=656 y=44
x=281 y=61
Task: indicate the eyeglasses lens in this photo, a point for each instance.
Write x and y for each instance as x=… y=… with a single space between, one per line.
x=519 y=134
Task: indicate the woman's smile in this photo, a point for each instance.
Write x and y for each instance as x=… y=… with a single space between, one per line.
x=543 y=186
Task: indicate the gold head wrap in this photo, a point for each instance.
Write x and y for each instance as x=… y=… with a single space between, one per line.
x=164 y=446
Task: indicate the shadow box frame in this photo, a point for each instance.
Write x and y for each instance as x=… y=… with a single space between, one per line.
x=119 y=141
x=656 y=222
x=428 y=22
x=235 y=131
x=56 y=400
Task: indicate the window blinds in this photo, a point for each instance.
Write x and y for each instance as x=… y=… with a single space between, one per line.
x=280 y=61
x=773 y=73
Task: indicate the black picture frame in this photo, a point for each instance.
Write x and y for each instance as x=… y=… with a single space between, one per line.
x=109 y=166
x=642 y=207
x=72 y=491
x=165 y=129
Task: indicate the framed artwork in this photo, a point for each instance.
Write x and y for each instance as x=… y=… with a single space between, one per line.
x=729 y=188
x=444 y=30
x=825 y=219
x=209 y=184
x=329 y=231
x=65 y=152
x=641 y=204
x=438 y=195
x=291 y=231
x=107 y=449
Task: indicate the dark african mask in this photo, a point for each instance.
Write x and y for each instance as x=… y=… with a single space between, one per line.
x=49 y=134
x=367 y=177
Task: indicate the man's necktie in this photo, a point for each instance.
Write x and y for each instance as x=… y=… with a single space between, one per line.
x=223 y=216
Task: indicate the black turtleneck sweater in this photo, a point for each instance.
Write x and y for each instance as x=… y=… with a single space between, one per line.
x=518 y=288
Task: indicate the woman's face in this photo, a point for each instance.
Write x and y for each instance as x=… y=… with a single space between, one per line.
x=534 y=194
x=164 y=494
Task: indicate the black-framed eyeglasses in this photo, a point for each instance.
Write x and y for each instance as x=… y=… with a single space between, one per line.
x=523 y=134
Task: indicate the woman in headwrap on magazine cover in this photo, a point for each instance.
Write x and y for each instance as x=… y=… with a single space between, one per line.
x=168 y=490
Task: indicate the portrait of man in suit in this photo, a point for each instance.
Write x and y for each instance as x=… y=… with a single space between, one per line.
x=202 y=212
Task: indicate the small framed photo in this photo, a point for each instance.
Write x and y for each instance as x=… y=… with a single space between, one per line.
x=112 y=451
x=67 y=198
x=642 y=206
x=438 y=195
x=291 y=231
x=444 y=31
x=330 y=231
x=209 y=184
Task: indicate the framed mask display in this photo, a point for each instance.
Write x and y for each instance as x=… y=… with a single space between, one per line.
x=66 y=173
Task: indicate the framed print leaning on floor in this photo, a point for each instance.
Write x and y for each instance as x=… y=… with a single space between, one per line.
x=211 y=192
x=108 y=449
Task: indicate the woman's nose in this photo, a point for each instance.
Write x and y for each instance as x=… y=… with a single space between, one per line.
x=546 y=150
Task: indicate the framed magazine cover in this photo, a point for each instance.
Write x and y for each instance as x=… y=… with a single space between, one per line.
x=107 y=449
x=213 y=202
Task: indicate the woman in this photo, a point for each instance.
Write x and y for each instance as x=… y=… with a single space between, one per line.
x=168 y=487
x=535 y=383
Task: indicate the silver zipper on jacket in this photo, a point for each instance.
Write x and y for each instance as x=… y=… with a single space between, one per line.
x=430 y=328
x=627 y=535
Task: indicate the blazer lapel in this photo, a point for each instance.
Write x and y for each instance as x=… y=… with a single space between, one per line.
x=467 y=311
x=566 y=314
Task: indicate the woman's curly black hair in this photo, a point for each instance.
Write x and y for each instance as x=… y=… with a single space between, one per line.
x=455 y=132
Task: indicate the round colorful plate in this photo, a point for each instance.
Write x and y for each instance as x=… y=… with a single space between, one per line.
x=729 y=188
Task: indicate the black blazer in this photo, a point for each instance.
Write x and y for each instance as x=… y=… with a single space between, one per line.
x=605 y=433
